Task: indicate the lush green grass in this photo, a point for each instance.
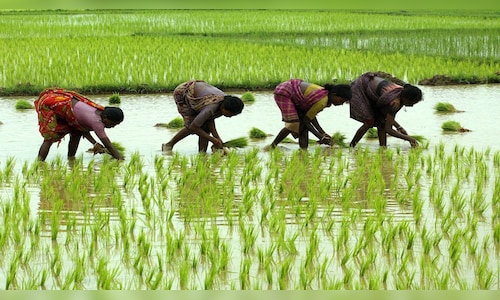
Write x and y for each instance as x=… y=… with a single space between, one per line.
x=153 y=50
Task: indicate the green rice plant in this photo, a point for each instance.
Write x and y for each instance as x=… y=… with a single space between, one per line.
x=114 y=99
x=112 y=36
x=419 y=138
x=338 y=139
x=237 y=143
x=248 y=97
x=256 y=133
x=444 y=107
x=119 y=147
x=372 y=133
x=175 y=123
x=24 y=104
x=453 y=126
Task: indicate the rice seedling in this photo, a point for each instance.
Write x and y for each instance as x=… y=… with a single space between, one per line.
x=175 y=123
x=257 y=133
x=300 y=34
x=371 y=133
x=236 y=143
x=453 y=126
x=24 y=104
x=248 y=97
x=338 y=139
x=305 y=220
x=445 y=107
x=421 y=140
x=115 y=99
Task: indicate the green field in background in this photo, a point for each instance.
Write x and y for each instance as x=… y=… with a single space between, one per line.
x=133 y=51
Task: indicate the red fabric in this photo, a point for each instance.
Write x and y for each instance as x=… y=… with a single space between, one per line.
x=56 y=117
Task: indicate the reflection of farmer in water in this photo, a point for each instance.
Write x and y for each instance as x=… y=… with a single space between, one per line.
x=61 y=112
x=375 y=102
x=76 y=204
x=200 y=103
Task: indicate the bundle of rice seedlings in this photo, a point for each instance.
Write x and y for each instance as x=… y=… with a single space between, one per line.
x=453 y=126
x=115 y=99
x=288 y=140
x=419 y=138
x=175 y=123
x=248 y=97
x=256 y=133
x=119 y=147
x=24 y=104
x=338 y=139
x=237 y=143
x=372 y=133
x=443 y=107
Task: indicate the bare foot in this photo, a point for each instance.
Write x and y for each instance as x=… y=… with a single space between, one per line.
x=166 y=147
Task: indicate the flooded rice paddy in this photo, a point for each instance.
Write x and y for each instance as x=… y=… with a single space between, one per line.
x=331 y=218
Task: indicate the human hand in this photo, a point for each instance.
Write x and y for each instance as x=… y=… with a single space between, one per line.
x=218 y=144
x=222 y=150
x=413 y=143
x=98 y=148
x=325 y=140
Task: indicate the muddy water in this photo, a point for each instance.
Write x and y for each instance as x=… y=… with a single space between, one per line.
x=19 y=138
x=480 y=104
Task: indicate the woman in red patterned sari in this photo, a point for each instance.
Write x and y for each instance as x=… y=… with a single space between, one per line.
x=62 y=112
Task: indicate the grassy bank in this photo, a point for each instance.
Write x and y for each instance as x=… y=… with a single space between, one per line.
x=150 y=51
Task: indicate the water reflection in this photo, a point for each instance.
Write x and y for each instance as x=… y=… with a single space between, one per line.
x=71 y=199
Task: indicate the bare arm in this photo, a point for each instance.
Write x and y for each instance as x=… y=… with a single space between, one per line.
x=98 y=148
x=399 y=128
x=389 y=123
x=312 y=126
x=215 y=139
x=111 y=149
x=88 y=136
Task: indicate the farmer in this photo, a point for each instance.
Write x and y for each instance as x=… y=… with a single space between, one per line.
x=199 y=104
x=300 y=102
x=61 y=112
x=375 y=102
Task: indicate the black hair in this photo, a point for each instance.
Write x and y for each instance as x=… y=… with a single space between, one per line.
x=114 y=114
x=233 y=104
x=411 y=93
x=341 y=90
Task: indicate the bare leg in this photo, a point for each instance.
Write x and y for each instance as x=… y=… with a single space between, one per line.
x=44 y=150
x=382 y=136
x=202 y=145
x=359 y=134
x=74 y=141
x=303 y=137
x=184 y=132
x=281 y=136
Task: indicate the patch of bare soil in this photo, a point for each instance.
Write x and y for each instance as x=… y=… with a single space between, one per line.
x=447 y=80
